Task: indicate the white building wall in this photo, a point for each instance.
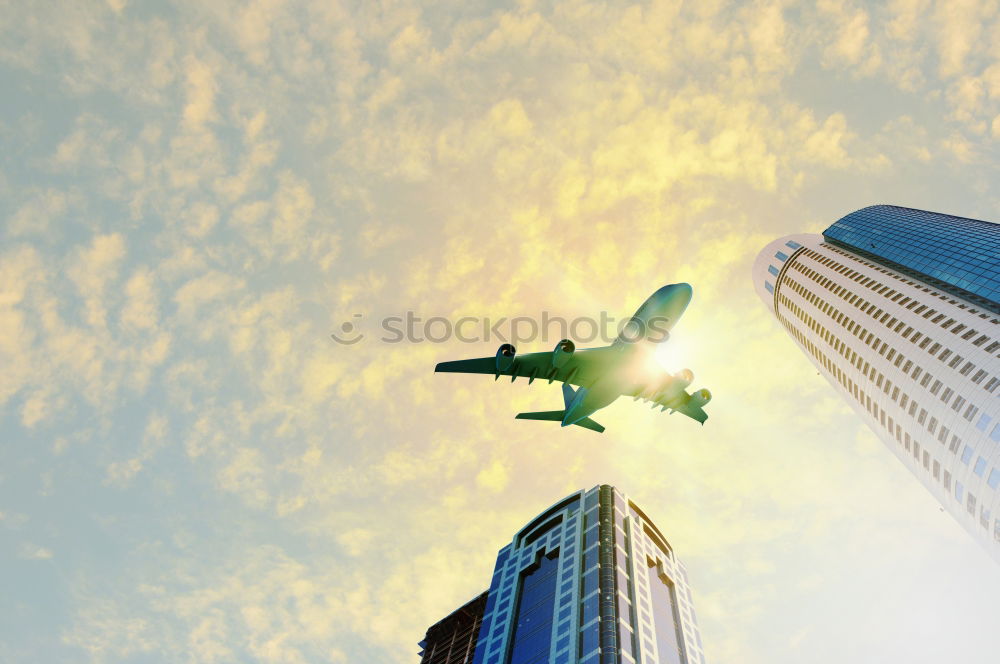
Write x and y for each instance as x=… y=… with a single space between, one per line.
x=920 y=366
x=644 y=552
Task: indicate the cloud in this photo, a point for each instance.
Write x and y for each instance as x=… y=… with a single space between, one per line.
x=35 y=552
x=204 y=289
x=851 y=40
x=35 y=217
x=493 y=478
x=141 y=309
x=200 y=89
x=91 y=271
x=219 y=187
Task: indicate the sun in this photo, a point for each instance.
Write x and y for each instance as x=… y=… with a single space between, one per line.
x=673 y=354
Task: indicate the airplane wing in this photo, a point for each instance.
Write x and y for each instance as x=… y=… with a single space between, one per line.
x=581 y=368
x=693 y=411
x=687 y=404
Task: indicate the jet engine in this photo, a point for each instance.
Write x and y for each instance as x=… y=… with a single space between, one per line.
x=562 y=352
x=505 y=357
x=700 y=398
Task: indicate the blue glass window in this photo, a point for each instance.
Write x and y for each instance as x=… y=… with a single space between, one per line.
x=589 y=609
x=958 y=491
x=768 y=286
x=666 y=621
x=781 y=256
x=995 y=435
x=980 y=467
x=589 y=583
x=590 y=639
x=792 y=244
x=532 y=638
x=984 y=421
x=955 y=254
x=773 y=270
x=994 y=478
x=967 y=455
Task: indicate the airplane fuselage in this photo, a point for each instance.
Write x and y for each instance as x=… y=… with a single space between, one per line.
x=651 y=324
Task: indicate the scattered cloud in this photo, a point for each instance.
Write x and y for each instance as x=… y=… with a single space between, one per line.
x=214 y=190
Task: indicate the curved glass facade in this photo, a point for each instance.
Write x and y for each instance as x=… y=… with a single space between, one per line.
x=958 y=255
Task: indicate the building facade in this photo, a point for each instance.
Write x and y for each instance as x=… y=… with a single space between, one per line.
x=452 y=640
x=590 y=580
x=898 y=309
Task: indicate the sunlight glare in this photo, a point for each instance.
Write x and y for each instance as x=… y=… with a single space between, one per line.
x=673 y=356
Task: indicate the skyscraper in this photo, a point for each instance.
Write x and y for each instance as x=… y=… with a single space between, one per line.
x=898 y=309
x=452 y=640
x=590 y=580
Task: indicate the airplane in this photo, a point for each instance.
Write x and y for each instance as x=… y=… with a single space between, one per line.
x=601 y=375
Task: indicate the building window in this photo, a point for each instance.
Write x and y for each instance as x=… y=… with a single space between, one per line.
x=980 y=466
x=984 y=421
x=666 y=618
x=532 y=635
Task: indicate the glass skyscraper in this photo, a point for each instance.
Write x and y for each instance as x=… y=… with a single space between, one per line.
x=900 y=310
x=591 y=580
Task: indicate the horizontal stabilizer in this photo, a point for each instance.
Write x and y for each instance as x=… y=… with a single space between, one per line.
x=557 y=416
x=550 y=415
x=588 y=423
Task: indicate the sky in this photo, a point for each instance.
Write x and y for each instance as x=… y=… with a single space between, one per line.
x=194 y=196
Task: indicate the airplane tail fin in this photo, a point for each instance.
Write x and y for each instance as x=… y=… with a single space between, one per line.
x=557 y=416
x=568 y=394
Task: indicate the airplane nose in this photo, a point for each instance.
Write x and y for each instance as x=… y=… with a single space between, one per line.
x=682 y=289
x=674 y=291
